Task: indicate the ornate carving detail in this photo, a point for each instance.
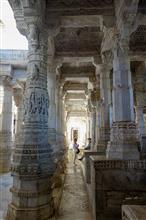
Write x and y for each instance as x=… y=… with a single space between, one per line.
x=36 y=104
x=95 y=96
x=138 y=39
x=35 y=72
x=120 y=164
x=124 y=132
x=33 y=37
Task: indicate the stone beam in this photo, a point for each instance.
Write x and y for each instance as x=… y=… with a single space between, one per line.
x=80 y=103
x=92 y=7
x=77 y=114
x=75 y=96
x=71 y=86
x=80 y=21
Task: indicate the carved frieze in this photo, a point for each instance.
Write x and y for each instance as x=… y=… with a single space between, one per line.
x=79 y=3
x=36 y=104
x=138 y=39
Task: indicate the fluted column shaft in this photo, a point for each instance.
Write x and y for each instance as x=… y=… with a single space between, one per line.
x=104 y=107
x=6 y=129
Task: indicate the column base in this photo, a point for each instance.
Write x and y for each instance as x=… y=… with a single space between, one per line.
x=123 y=142
x=5 y=151
x=104 y=137
x=41 y=213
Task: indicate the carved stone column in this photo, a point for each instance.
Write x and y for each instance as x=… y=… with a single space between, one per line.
x=52 y=97
x=139 y=113
x=93 y=121
x=123 y=139
x=6 y=129
x=32 y=166
x=94 y=102
x=105 y=99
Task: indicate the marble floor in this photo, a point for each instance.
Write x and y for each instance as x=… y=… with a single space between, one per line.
x=74 y=203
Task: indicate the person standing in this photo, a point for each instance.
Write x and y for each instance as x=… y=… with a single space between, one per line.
x=75 y=149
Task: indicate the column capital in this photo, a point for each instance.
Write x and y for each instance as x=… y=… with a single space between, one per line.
x=103 y=70
x=18 y=96
x=126 y=17
x=30 y=12
x=7 y=82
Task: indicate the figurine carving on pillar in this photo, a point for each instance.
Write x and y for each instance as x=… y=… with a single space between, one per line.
x=35 y=72
x=33 y=37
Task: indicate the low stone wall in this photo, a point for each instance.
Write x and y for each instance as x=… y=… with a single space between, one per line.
x=89 y=153
x=112 y=182
x=133 y=212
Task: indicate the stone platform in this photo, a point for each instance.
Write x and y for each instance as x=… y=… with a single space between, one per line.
x=112 y=182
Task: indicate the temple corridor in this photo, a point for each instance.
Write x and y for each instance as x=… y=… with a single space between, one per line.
x=81 y=83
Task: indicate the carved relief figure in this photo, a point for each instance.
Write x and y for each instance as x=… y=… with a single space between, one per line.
x=35 y=72
x=36 y=104
x=33 y=37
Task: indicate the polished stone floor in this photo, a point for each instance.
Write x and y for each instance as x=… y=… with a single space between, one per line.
x=74 y=203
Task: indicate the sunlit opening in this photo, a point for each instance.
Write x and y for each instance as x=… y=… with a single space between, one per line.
x=76 y=128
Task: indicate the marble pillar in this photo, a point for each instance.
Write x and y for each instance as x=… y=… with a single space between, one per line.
x=6 y=129
x=123 y=138
x=32 y=166
x=18 y=98
x=52 y=101
x=139 y=113
x=93 y=121
x=140 y=120
x=104 y=107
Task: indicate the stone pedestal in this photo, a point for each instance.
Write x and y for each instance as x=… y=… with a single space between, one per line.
x=104 y=136
x=113 y=182
x=123 y=142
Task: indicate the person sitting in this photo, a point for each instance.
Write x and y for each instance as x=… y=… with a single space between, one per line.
x=88 y=147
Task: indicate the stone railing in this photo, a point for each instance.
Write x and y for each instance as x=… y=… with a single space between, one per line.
x=89 y=153
x=133 y=212
x=13 y=55
x=115 y=183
